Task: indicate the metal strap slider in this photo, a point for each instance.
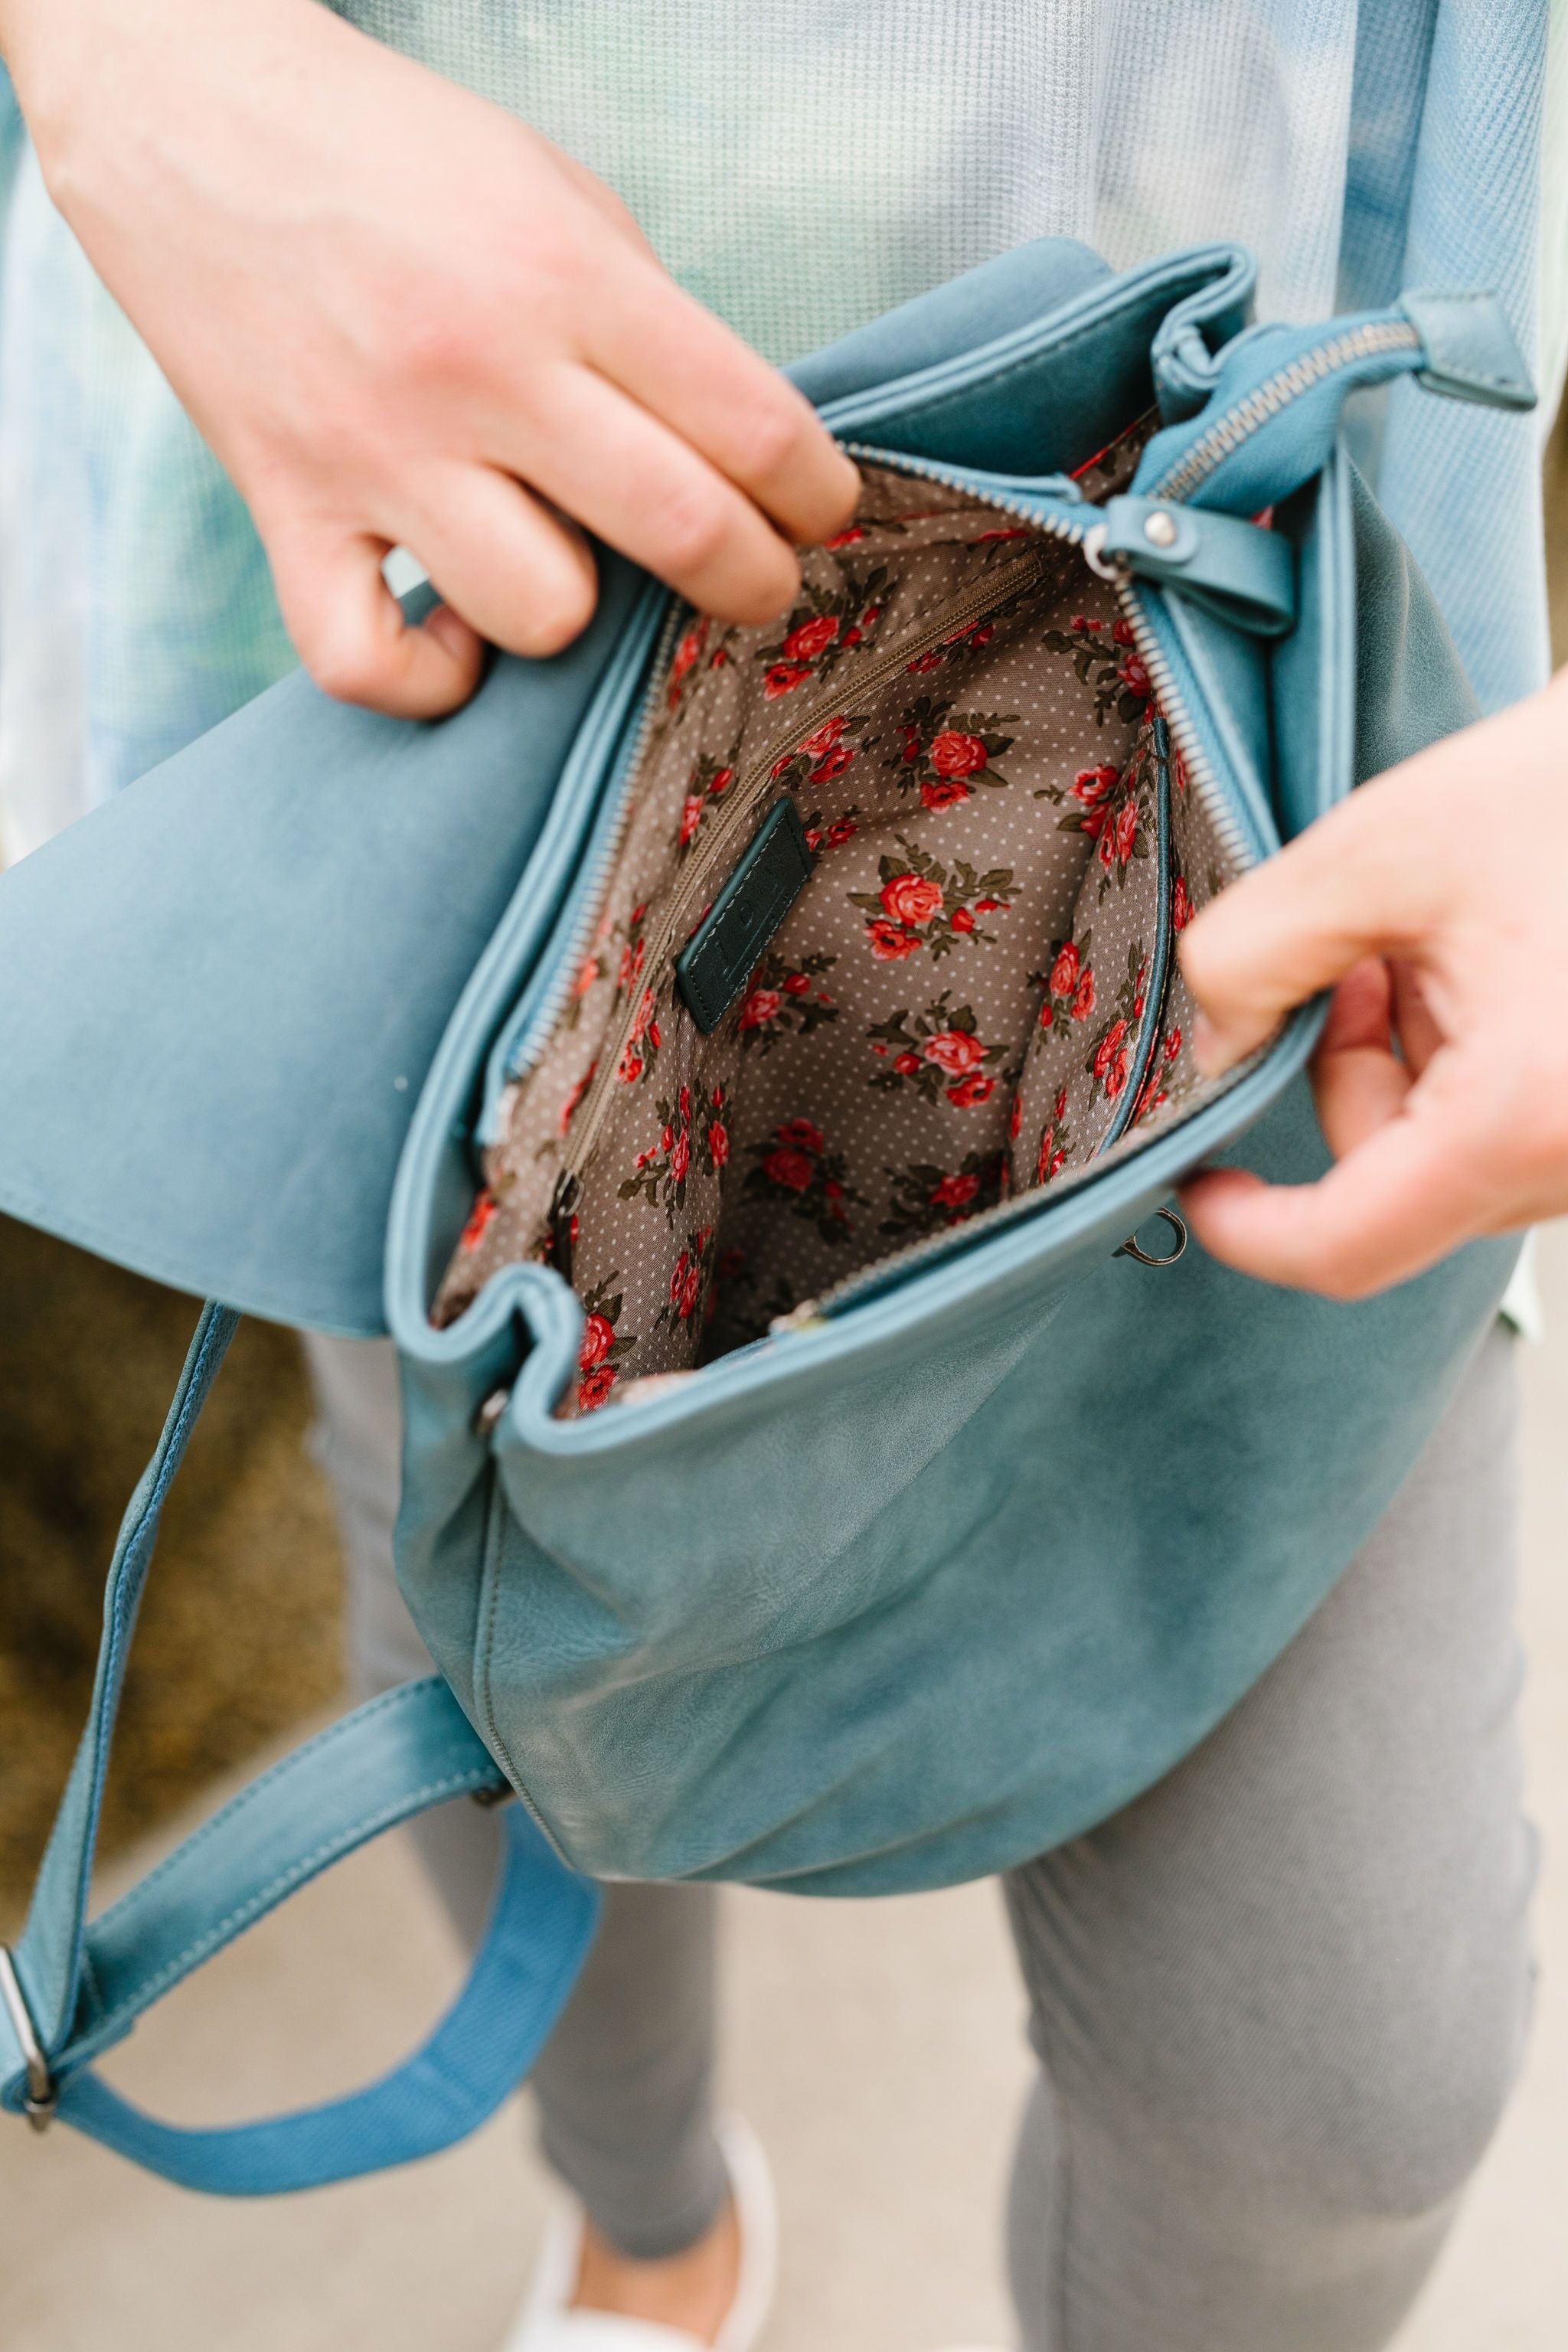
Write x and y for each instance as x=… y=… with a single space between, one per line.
x=39 y=2104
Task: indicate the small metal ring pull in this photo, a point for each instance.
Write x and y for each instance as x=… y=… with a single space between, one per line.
x=1130 y=1247
x=1093 y=551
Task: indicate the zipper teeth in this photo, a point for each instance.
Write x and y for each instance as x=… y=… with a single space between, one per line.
x=1267 y=398
x=590 y=1117
x=554 y=1002
x=1195 y=761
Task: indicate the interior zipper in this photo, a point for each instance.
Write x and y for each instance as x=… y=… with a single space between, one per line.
x=996 y=591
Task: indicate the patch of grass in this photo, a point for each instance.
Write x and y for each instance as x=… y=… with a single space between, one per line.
x=240 y=1633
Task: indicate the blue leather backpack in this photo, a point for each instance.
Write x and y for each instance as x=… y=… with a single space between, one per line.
x=747 y=1072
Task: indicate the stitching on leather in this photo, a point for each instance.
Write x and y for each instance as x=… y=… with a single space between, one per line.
x=268 y=1896
x=405 y=1694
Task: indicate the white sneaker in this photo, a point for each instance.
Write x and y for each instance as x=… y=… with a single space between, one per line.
x=549 y=2324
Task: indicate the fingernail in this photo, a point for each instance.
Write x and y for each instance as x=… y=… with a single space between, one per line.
x=451 y=632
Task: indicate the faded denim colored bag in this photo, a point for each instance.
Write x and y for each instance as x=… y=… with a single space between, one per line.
x=747 y=1071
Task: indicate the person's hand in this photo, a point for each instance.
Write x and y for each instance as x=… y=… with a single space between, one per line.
x=400 y=316
x=1437 y=899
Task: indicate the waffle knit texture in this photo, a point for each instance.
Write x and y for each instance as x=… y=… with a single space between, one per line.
x=801 y=166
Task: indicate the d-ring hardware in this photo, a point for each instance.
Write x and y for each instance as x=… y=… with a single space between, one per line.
x=38 y=2106
x=1130 y=1247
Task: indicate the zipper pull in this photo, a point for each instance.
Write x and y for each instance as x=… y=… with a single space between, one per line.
x=562 y=1218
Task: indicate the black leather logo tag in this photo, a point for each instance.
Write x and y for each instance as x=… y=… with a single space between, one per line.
x=715 y=965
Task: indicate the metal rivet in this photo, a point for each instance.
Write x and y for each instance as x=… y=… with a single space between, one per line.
x=1160 y=527
x=490 y=1411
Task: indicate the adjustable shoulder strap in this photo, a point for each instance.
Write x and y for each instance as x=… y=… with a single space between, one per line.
x=71 y=1989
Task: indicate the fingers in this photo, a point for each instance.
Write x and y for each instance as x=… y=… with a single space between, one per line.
x=1408 y=1192
x=684 y=365
x=523 y=576
x=649 y=493
x=348 y=629
x=1355 y=884
x=1358 y=1082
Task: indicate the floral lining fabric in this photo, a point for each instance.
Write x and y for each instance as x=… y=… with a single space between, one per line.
x=957 y=1007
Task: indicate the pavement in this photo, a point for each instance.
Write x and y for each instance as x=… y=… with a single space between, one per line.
x=876 y=2045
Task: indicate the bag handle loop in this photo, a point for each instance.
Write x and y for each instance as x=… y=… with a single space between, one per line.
x=70 y=1990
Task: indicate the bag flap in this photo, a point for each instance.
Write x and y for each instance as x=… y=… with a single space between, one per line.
x=221 y=993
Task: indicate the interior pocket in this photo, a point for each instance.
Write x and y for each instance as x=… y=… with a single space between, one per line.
x=969 y=993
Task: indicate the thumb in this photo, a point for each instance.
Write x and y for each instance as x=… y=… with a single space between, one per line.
x=1354 y=885
x=349 y=630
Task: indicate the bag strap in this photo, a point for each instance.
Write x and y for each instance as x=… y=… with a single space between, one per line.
x=70 y=1990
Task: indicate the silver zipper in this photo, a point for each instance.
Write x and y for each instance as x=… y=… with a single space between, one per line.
x=1277 y=392
x=1083 y=535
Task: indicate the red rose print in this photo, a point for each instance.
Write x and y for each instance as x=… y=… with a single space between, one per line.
x=953 y=755
x=1082 y=625
x=479 y=1222
x=990 y=906
x=839 y=832
x=812 y=637
x=1180 y=906
x=642 y=1017
x=718 y=1143
x=796 y=983
x=1083 y=1003
x=970 y=1091
x=790 y=1169
x=1052 y=1157
x=960 y=920
x=1059 y=1107
x=989 y=538
x=1090 y=785
x=587 y=973
x=955 y=1191
x=911 y=897
x=847 y=538
x=761 y=1007
x=667 y=1138
x=631 y=1067
x=1122 y=633
x=1065 y=970
x=592 y=1393
x=1173 y=1045
x=889 y=944
x=928 y=660
x=677 y=1277
x=954 y=1051
x=833 y=763
x=906 y=1064
x=721 y=782
x=681 y=1158
x=822 y=739
x=1135 y=678
x=598 y=1339
x=1126 y=830
x=804 y=1134
x=690 y=818
x=1048 y=1016
x=784 y=676
x=683 y=1103
x=1109 y=1047
x=946 y=792
x=690 y=1291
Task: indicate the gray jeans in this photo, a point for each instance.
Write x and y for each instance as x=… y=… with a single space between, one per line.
x=1278 y=2002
